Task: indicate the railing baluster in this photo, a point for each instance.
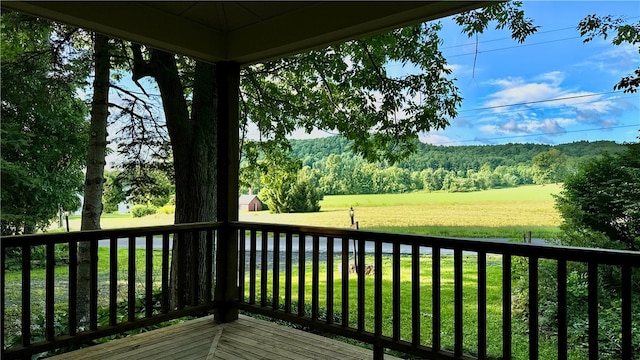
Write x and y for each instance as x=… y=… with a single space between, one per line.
x=435 y=297
x=592 y=270
x=396 y=290
x=148 y=278
x=626 y=312
x=562 y=309
x=533 y=307
x=131 y=281
x=242 y=260
x=93 y=285
x=276 y=271
x=330 y=282
x=195 y=266
x=26 y=295
x=252 y=268
x=361 y=300
x=506 y=306
x=113 y=281
x=345 y=282
x=315 y=277
x=415 y=295
x=49 y=289
x=482 y=305
x=73 y=287
x=457 y=302
x=264 y=260
x=181 y=273
x=289 y=272
x=301 y=272
x=378 y=288
x=165 y=272
x=208 y=258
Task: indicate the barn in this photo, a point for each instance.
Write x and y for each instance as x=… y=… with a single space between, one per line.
x=249 y=203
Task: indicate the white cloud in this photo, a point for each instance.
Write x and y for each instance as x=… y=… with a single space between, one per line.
x=523 y=126
x=553 y=77
x=518 y=91
x=437 y=139
x=522 y=107
x=613 y=60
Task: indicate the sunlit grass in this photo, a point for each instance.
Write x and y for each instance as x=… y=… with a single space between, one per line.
x=490 y=213
x=505 y=213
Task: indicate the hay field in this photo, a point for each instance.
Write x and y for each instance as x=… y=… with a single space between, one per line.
x=491 y=213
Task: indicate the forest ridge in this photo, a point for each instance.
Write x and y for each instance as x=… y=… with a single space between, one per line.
x=335 y=169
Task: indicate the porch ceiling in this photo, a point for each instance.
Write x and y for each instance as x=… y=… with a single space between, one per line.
x=240 y=31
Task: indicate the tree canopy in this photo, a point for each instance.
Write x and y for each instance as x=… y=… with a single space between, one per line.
x=603 y=198
x=44 y=132
x=347 y=88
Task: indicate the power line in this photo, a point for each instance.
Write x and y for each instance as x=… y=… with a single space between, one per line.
x=542 y=101
x=542 y=134
x=506 y=38
x=513 y=47
x=535 y=34
x=558 y=108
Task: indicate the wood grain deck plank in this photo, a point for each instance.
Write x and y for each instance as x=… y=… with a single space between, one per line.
x=245 y=339
x=303 y=342
x=294 y=346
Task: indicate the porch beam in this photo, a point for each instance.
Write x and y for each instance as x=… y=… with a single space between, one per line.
x=226 y=292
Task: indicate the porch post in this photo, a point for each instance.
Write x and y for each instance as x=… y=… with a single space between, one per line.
x=226 y=291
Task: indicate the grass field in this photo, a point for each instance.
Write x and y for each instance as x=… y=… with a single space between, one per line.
x=504 y=213
x=519 y=335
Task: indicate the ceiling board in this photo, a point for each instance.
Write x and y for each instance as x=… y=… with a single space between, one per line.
x=239 y=31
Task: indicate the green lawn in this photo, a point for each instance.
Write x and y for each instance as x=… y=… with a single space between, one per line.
x=520 y=340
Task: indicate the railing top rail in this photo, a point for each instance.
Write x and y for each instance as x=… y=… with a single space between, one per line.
x=581 y=254
x=90 y=235
x=604 y=256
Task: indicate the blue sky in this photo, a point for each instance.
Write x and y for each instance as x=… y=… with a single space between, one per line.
x=552 y=64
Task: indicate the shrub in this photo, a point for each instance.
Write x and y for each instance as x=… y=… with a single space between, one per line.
x=167 y=209
x=609 y=304
x=143 y=210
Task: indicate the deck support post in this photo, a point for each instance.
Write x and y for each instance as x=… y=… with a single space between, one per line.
x=228 y=87
x=378 y=352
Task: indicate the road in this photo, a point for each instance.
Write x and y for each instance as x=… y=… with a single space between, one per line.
x=369 y=246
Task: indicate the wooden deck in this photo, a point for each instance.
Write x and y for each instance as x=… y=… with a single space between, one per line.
x=246 y=338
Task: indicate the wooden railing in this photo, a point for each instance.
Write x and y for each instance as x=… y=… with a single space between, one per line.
x=130 y=286
x=400 y=297
x=293 y=256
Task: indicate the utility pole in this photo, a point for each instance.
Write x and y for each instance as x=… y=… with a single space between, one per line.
x=355 y=226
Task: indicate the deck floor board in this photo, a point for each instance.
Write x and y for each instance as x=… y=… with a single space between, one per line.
x=245 y=339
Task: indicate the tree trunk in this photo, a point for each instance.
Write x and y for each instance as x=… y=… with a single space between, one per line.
x=193 y=141
x=94 y=180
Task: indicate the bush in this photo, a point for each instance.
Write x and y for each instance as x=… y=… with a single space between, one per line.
x=609 y=304
x=167 y=209
x=143 y=210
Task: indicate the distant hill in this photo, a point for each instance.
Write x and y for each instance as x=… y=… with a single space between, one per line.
x=334 y=169
x=455 y=158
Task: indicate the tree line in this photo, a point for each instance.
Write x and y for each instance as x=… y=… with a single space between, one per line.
x=331 y=167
